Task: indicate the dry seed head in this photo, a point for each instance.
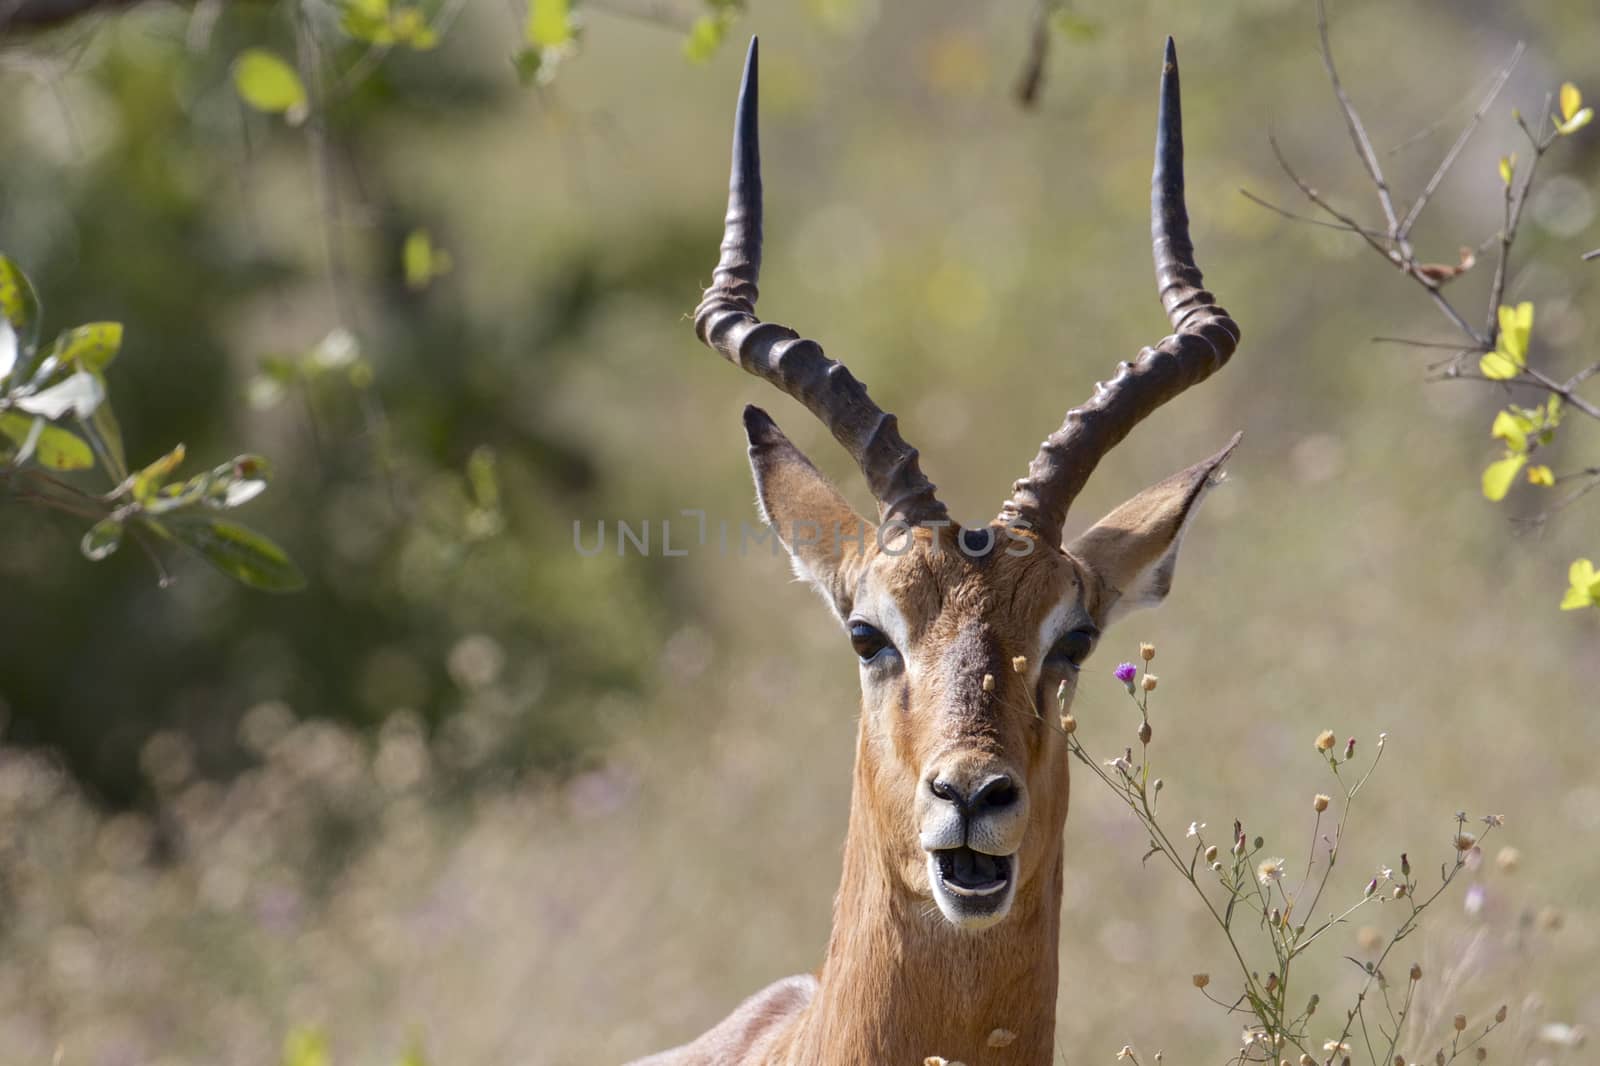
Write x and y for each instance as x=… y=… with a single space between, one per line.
x=1001 y=1038
x=1550 y=919
x=1369 y=938
x=1460 y=1022
x=1508 y=859
x=1438 y=1057
x=1201 y=980
x=1325 y=740
x=1500 y=1015
x=935 y=1060
x=1211 y=853
x=1399 y=1060
x=1319 y=802
x=1069 y=724
x=1307 y=1060
x=988 y=682
x=1481 y=1053
x=1350 y=748
x=1216 y=866
x=1144 y=730
x=1125 y=1053
x=1272 y=982
x=1399 y=891
x=1019 y=664
x=1416 y=972
x=1466 y=842
x=1148 y=682
x=1147 y=652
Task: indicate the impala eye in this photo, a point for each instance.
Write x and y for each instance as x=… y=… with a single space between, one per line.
x=1072 y=649
x=868 y=641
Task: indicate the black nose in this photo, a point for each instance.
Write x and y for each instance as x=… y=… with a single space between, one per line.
x=994 y=794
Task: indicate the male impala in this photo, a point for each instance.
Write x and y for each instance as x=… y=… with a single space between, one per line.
x=945 y=927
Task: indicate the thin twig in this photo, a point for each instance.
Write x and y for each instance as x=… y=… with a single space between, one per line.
x=1253 y=198
x=1461 y=142
x=1358 y=132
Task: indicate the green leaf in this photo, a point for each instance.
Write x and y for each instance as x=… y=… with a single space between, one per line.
x=528 y=62
x=147 y=481
x=24 y=431
x=422 y=261
x=102 y=539
x=1499 y=475
x=62 y=449
x=268 y=83
x=706 y=35
x=1585 y=590
x=89 y=347
x=247 y=557
x=19 y=304
x=1074 y=27
x=81 y=394
x=549 y=23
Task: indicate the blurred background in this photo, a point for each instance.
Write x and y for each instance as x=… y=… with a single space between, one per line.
x=477 y=794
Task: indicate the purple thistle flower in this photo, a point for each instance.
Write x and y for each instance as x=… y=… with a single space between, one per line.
x=1126 y=673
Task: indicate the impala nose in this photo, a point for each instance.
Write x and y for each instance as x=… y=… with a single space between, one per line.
x=991 y=795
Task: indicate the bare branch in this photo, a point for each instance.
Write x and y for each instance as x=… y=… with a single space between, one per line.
x=1425 y=344
x=1358 y=132
x=1461 y=142
x=1031 y=80
x=1253 y=198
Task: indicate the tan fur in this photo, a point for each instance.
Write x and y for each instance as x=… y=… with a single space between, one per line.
x=899 y=982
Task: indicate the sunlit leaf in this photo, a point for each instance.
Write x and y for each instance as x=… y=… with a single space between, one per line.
x=24 y=432
x=422 y=261
x=19 y=304
x=549 y=23
x=1585 y=586
x=1571 y=100
x=410 y=27
x=151 y=478
x=1576 y=122
x=62 y=449
x=1075 y=27
x=528 y=63
x=253 y=560
x=1499 y=475
x=706 y=35
x=80 y=394
x=1513 y=429
x=1508 y=167
x=268 y=83
x=102 y=539
x=1498 y=367
x=1541 y=475
x=89 y=347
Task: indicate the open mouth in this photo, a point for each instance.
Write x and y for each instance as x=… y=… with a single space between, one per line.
x=969 y=874
x=973 y=890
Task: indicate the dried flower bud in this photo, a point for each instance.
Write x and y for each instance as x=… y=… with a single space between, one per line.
x=1201 y=980
x=1259 y=842
x=1460 y=1022
x=988 y=682
x=1272 y=982
x=1069 y=724
x=1399 y=891
x=1311 y=1005
x=1466 y=842
x=1148 y=682
x=1319 y=802
x=1147 y=652
x=1438 y=1057
x=1399 y=1060
x=1325 y=740
x=1481 y=1053
x=1156 y=785
x=1019 y=664
x=1500 y=1015
x=1508 y=859
x=1416 y=972
x=1144 y=730
x=1372 y=886
x=1159 y=1056
x=1550 y=919
x=1350 y=748
x=1307 y=1060
x=1277 y=916
x=1405 y=865
x=1125 y=1053
x=1211 y=853
x=1216 y=867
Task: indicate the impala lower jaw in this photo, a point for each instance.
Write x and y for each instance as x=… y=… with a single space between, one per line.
x=973 y=890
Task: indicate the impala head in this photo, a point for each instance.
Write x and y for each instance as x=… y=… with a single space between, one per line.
x=964 y=636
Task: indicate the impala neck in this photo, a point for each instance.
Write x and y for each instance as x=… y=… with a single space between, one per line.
x=900 y=984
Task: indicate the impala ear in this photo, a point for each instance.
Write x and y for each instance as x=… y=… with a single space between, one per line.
x=825 y=537
x=1134 y=549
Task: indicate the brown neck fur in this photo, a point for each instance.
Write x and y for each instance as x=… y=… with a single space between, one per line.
x=900 y=984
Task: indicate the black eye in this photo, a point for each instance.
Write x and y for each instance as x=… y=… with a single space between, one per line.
x=1072 y=649
x=868 y=641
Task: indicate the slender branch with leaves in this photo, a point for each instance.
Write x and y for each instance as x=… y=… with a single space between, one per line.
x=1500 y=353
